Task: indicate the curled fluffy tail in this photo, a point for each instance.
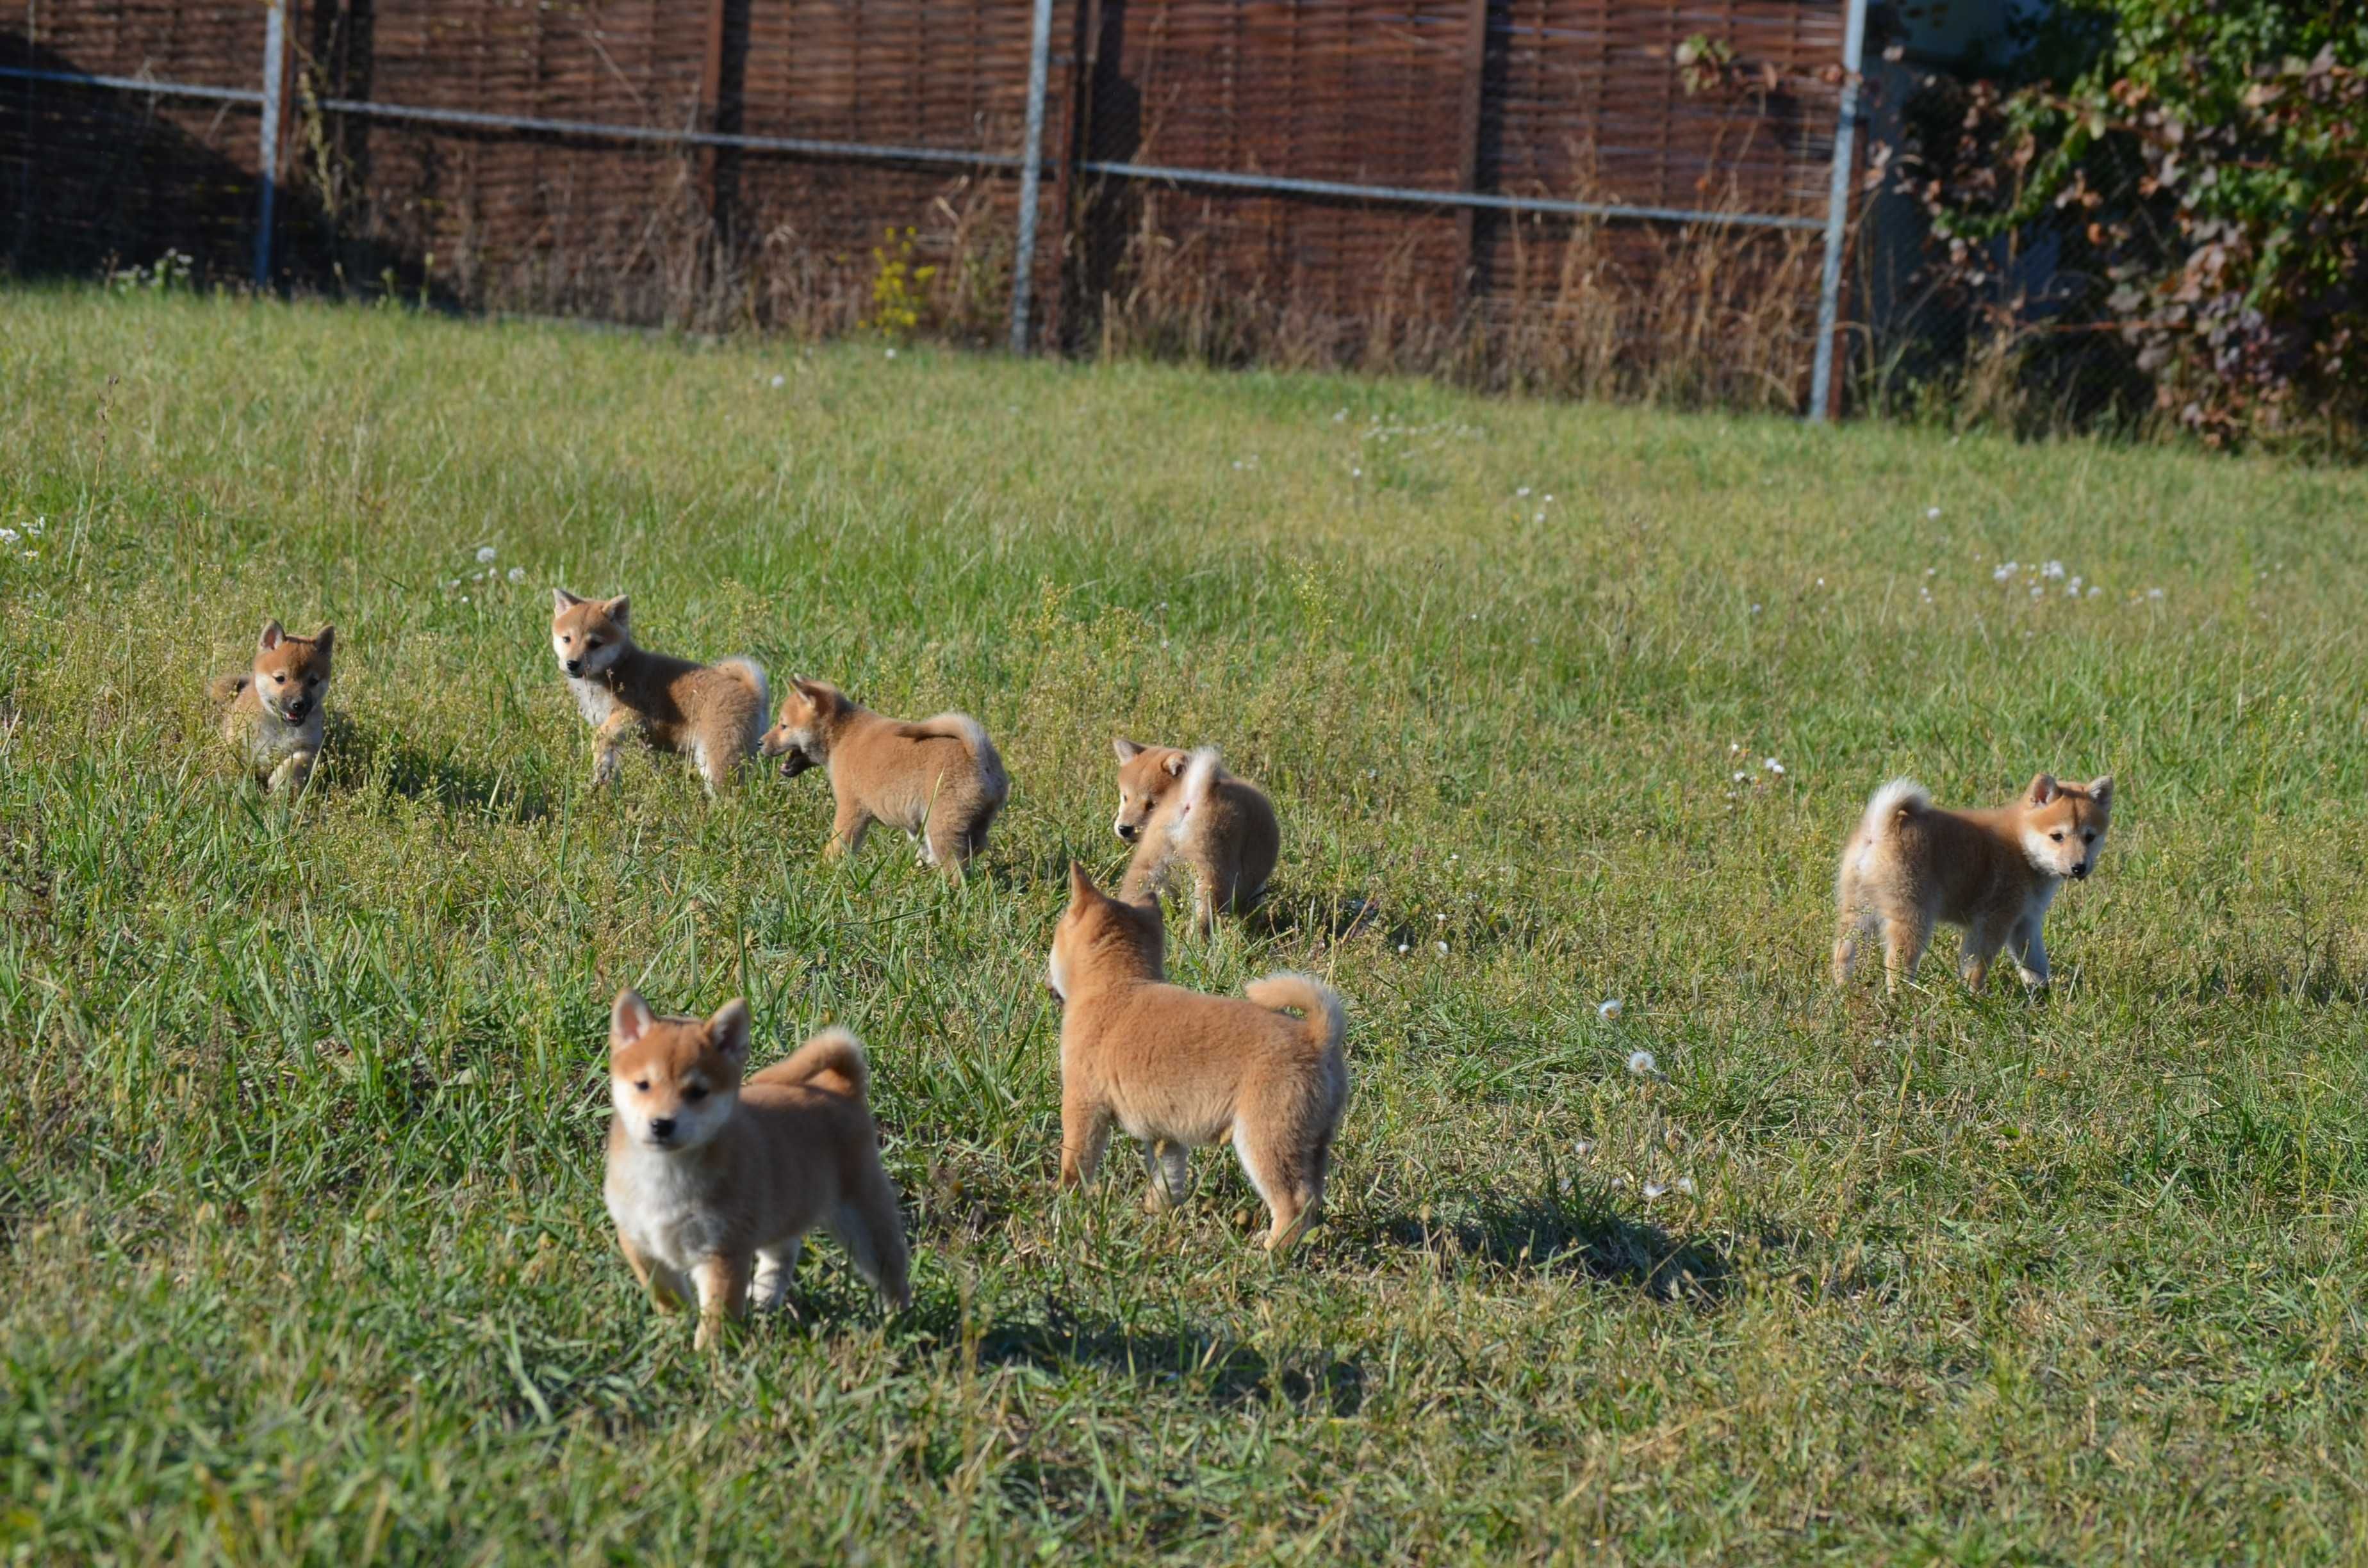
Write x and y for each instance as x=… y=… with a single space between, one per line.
x=225 y=688
x=1200 y=776
x=1326 y=1021
x=836 y=1052
x=1901 y=795
x=974 y=737
x=752 y=674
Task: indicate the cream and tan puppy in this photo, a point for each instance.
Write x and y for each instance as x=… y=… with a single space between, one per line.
x=1179 y=1069
x=714 y=1179
x=1910 y=864
x=940 y=779
x=271 y=712
x=712 y=712
x=1180 y=808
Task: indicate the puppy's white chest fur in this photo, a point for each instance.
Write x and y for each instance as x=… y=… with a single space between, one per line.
x=271 y=740
x=593 y=700
x=663 y=1204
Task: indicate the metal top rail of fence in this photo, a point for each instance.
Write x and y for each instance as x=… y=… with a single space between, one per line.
x=1032 y=166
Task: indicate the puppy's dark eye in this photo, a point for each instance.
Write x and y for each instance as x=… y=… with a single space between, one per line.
x=2088 y=837
x=282 y=680
x=642 y=1085
x=2058 y=836
x=696 y=1092
x=591 y=642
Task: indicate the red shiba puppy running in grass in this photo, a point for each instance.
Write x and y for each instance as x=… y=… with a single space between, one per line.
x=1183 y=808
x=714 y=1179
x=940 y=779
x=710 y=712
x=1910 y=864
x=271 y=712
x=1179 y=1069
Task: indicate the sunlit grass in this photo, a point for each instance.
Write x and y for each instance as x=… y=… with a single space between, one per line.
x=298 y=1160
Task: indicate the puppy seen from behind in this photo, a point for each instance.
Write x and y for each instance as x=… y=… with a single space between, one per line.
x=940 y=779
x=1179 y=1069
x=1183 y=808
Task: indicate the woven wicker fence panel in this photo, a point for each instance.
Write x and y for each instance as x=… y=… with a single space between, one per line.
x=90 y=176
x=1368 y=92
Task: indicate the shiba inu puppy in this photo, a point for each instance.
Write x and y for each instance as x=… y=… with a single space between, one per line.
x=271 y=712
x=1994 y=872
x=713 y=712
x=715 y=1178
x=940 y=779
x=1181 y=1069
x=1177 y=807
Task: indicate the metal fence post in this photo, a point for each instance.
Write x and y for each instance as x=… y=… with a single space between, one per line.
x=1023 y=260
x=1830 y=291
x=275 y=47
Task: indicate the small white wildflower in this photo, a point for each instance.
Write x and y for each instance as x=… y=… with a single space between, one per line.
x=1653 y=1189
x=517 y=575
x=8 y=536
x=464 y=598
x=485 y=555
x=1734 y=746
x=1340 y=414
x=2094 y=590
x=2154 y=592
x=1608 y=1008
x=1641 y=1062
x=1931 y=570
x=1931 y=513
x=1355 y=473
x=1539 y=518
x=1821 y=582
x=1755 y=609
x=1522 y=493
x=2000 y=573
x=1452 y=859
x=2053 y=569
x=1163 y=642
x=1740 y=775
x=1402 y=947
x=1441 y=918
x=2036 y=590
x=1772 y=765
x=1686 y=1186
x=1442 y=946
x=1583 y=1148
x=1549 y=500
x=892 y=354
x=1237 y=463
x=780 y=381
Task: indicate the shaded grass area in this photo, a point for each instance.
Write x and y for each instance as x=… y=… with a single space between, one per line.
x=299 y=1162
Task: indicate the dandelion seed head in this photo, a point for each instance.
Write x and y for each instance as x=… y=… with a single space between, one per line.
x=485 y=555
x=1686 y=1186
x=1653 y=1189
x=780 y=381
x=1931 y=513
x=517 y=575
x=1608 y=1008
x=1641 y=1062
x=1442 y=946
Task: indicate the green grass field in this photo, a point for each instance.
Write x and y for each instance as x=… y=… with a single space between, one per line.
x=300 y=1147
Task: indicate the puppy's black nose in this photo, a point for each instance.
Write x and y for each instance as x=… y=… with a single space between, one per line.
x=2080 y=871
x=298 y=709
x=576 y=667
x=661 y=1127
x=1126 y=829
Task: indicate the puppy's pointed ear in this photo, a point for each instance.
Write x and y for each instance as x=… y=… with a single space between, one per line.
x=1127 y=750
x=1081 y=886
x=325 y=638
x=628 y=1020
x=619 y=609
x=272 y=637
x=1175 y=765
x=560 y=599
x=2043 y=790
x=728 y=1030
x=2101 y=789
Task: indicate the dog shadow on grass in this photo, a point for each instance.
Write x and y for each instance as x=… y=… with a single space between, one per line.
x=1187 y=1359
x=1568 y=1237
x=354 y=755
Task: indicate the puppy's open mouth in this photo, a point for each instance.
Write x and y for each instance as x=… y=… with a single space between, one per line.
x=794 y=763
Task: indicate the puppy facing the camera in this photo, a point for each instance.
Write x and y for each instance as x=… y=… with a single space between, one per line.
x=1179 y=1069
x=940 y=779
x=271 y=711
x=1910 y=864
x=715 y=1178
x=1183 y=808
x=710 y=712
